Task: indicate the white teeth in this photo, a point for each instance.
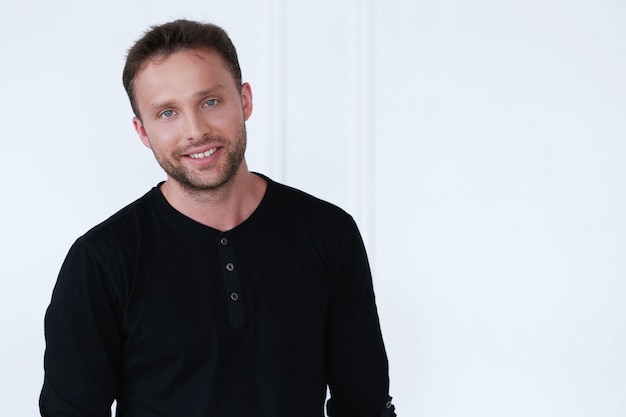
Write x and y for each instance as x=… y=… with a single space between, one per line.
x=203 y=154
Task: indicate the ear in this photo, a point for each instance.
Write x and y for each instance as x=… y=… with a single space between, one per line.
x=141 y=131
x=246 y=100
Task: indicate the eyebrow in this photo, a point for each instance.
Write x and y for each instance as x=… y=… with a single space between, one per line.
x=170 y=103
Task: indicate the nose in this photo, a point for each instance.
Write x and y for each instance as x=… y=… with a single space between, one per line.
x=195 y=126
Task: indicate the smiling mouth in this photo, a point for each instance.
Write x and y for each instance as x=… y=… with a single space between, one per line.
x=203 y=154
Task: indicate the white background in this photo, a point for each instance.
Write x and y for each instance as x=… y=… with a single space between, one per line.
x=479 y=144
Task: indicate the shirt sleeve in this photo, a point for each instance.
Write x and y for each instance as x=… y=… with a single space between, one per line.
x=83 y=339
x=357 y=361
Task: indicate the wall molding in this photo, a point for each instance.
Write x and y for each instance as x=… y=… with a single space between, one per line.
x=366 y=121
x=278 y=95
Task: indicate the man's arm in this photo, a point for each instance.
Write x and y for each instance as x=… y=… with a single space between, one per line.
x=357 y=361
x=82 y=340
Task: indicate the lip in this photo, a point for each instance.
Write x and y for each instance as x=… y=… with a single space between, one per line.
x=208 y=158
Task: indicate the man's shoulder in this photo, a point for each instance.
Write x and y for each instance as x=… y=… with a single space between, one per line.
x=123 y=221
x=292 y=205
x=292 y=199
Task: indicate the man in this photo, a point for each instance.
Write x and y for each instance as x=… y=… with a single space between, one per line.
x=219 y=292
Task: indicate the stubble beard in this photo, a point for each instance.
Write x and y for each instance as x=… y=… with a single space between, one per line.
x=195 y=182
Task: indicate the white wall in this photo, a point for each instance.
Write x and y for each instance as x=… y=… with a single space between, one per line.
x=480 y=146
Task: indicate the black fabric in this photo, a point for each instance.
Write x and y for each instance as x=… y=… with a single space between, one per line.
x=173 y=318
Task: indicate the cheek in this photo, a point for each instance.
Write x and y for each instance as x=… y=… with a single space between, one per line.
x=162 y=135
x=226 y=117
x=227 y=126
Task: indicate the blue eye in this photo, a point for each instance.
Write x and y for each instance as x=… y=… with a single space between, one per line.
x=167 y=114
x=210 y=103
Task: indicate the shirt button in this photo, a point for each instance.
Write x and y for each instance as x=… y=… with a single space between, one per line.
x=224 y=241
x=234 y=296
x=230 y=267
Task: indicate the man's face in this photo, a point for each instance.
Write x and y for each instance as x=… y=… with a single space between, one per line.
x=193 y=118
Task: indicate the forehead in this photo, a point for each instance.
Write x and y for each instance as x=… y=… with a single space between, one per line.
x=181 y=75
x=181 y=64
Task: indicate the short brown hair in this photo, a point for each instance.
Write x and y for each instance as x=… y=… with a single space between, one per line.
x=179 y=35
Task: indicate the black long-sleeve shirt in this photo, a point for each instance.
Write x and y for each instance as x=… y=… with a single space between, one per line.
x=174 y=318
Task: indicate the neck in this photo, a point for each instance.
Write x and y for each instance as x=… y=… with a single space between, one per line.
x=223 y=208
